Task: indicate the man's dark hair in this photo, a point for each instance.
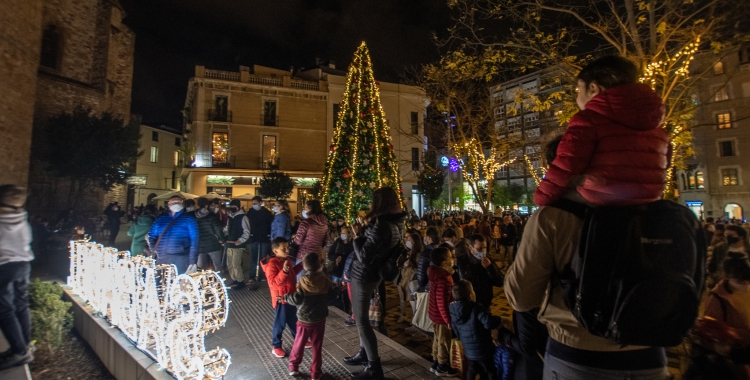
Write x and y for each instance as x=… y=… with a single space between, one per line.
x=432 y=233
x=150 y=209
x=550 y=150
x=462 y=291
x=709 y=219
x=736 y=266
x=475 y=238
x=203 y=202
x=257 y=198
x=439 y=255
x=720 y=227
x=311 y=262
x=190 y=203
x=609 y=71
x=278 y=241
x=449 y=233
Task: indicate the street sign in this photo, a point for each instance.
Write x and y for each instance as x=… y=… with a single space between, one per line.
x=137 y=180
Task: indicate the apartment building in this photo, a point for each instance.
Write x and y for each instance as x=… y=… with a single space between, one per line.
x=157 y=170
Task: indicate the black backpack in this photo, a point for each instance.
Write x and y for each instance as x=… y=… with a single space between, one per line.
x=637 y=276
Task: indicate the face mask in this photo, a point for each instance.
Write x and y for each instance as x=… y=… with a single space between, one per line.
x=479 y=255
x=343 y=236
x=116 y=208
x=409 y=244
x=274 y=209
x=304 y=214
x=426 y=242
x=256 y=207
x=191 y=208
x=175 y=208
x=233 y=209
x=213 y=209
x=732 y=240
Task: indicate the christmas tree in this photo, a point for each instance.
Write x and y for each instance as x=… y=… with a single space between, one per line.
x=361 y=158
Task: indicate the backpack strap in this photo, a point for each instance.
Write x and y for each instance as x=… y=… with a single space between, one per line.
x=575 y=208
x=158 y=240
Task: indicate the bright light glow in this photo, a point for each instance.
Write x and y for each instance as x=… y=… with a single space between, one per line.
x=166 y=315
x=444 y=161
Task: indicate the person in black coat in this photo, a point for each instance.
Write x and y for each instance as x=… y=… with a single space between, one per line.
x=113 y=213
x=382 y=233
x=529 y=342
x=480 y=270
x=473 y=324
x=431 y=240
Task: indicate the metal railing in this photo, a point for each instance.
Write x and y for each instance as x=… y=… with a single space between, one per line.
x=223 y=75
x=213 y=115
x=270 y=164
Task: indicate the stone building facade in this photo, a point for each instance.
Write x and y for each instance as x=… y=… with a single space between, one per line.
x=20 y=36
x=86 y=59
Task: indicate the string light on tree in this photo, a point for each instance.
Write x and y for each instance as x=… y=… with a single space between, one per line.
x=361 y=157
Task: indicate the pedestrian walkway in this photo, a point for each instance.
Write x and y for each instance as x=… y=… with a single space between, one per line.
x=247 y=336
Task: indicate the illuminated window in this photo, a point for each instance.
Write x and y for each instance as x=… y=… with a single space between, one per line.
x=724 y=120
x=220 y=143
x=270 y=154
x=729 y=177
x=176 y=158
x=719 y=68
x=721 y=94
x=691 y=182
x=154 y=154
x=699 y=180
x=726 y=148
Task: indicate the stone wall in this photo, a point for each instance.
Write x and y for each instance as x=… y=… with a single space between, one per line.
x=20 y=36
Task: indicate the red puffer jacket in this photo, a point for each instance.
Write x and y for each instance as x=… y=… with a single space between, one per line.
x=311 y=235
x=280 y=283
x=441 y=297
x=615 y=150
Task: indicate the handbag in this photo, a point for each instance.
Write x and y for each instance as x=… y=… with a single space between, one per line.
x=457 y=357
x=421 y=319
x=152 y=252
x=375 y=314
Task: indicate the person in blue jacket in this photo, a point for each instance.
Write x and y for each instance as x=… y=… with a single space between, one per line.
x=281 y=225
x=179 y=244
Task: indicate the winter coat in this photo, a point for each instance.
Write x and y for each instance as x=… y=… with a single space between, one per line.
x=311 y=298
x=138 y=230
x=15 y=237
x=380 y=237
x=510 y=231
x=529 y=342
x=260 y=224
x=441 y=284
x=280 y=283
x=238 y=229
x=422 y=265
x=482 y=279
x=485 y=229
x=280 y=227
x=211 y=235
x=343 y=250
x=734 y=310
x=311 y=235
x=614 y=150
x=347 y=277
x=472 y=324
x=181 y=238
x=113 y=217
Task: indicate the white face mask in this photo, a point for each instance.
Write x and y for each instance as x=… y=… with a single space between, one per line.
x=304 y=214
x=409 y=244
x=191 y=208
x=275 y=209
x=256 y=207
x=426 y=242
x=213 y=209
x=479 y=255
x=343 y=236
x=175 y=208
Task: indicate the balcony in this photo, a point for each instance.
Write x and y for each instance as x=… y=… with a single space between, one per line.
x=269 y=163
x=269 y=120
x=221 y=115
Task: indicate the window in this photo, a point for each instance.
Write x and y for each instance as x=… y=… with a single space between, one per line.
x=154 y=136
x=691 y=182
x=699 y=180
x=724 y=120
x=270 y=154
x=269 y=113
x=719 y=68
x=50 y=54
x=177 y=141
x=415 y=123
x=726 y=148
x=220 y=143
x=176 y=158
x=221 y=104
x=414 y=158
x=729 y=177
x=154 y=154
x=721 y=94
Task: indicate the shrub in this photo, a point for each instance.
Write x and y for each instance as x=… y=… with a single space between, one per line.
x=50 y=318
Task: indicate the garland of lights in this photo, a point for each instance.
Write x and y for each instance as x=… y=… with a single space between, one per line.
x=361 y=156
x=165 y=314
x=480 y=165
x=532 y=170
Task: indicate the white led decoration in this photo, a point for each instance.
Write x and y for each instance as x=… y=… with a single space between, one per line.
x=166 y=315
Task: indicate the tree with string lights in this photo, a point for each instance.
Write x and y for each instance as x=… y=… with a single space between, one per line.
x=361 y=157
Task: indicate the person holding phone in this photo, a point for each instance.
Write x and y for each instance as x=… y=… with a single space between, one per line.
x=480 y=270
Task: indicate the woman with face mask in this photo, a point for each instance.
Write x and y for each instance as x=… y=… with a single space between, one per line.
x=339 y=252
x=736 y=241
x=312 y=231
x=414 y=243
x=281 y=226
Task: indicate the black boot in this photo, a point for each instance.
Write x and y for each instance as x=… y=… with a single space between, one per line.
x=373 y=371
x=360 y=358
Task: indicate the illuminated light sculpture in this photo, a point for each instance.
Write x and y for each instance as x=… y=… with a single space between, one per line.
x=166 y=315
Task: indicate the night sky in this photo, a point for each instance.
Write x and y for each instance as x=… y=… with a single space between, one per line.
x=172 y=36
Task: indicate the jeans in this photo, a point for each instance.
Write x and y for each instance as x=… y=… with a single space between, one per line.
x=215 y=257
x=556 y=369
x=361 y=294
x=258 y=251
x=15 y=319
x=314 y=333
x=286 y=315
x=484 y=368
x=180 y=261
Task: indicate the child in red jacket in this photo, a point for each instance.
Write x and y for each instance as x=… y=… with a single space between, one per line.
x=614 y=150
x=281 y=274
x=441 y=285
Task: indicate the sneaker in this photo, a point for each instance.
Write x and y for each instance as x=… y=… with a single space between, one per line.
x=308 y=344
x=278 y=352
x=293 y=372
x=434 y=366
x=14 y=360
x=350 y=321
x=237 y=285
x=445 y=371
x=252 y=285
